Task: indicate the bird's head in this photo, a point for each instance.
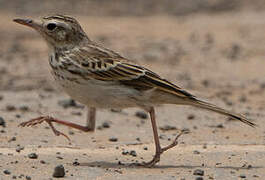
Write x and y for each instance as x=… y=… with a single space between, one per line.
x=59 y=31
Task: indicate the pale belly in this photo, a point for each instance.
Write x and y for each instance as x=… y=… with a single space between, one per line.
x=102 y=94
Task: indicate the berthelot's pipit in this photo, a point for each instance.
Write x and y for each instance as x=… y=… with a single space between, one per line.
x=101 y=78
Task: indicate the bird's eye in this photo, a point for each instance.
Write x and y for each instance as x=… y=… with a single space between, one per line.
x=51 y=26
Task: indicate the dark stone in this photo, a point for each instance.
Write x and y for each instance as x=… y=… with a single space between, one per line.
x=10 y=108
x=59 y=171
x=125 y=152
x=141 y=114
x=76 y=163
x=199 y=178
x=12 y=139
x=66 y=103
x=113 y=139
x=19 y=148
x=167 y=128
x=133 y=153
x=7 y=172
x=242 y=176
x=196 y=152
x=190 y=117
x=2 y=122
x=42 y=162
x=33 y=156
x=198 y=172
x=105 y=125
x=24 y=108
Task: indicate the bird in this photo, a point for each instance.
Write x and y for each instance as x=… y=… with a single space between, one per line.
x=101 y=78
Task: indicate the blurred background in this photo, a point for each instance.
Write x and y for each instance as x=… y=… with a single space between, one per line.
x=215 y=49
x=184 y=37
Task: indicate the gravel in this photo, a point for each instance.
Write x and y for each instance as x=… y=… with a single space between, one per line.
x=33 y=156
x=133 y=153
x=28 y=178
x=199 y=178
x=242 y=176
x=59 y=171
x=167 y=128
x=141 y=114
x=10 y=108
x=113 y=139
x=198 y=172
x=7 y=172
x=19 y=148
x=2 y=122
x=66 y=103
x=106 y=125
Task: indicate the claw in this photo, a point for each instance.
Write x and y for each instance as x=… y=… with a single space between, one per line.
x=41 y=119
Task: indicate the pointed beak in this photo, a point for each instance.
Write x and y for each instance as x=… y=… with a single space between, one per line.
x=28 y=22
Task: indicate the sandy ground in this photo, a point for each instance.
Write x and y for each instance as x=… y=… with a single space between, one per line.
x=219 y=58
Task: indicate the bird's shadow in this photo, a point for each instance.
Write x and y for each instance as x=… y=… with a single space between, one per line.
x=104 y=165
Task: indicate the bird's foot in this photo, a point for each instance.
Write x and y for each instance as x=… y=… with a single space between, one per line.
x=41 y=119
x=175 y=142
x=156 y=158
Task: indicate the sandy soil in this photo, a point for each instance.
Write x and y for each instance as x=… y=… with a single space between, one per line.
x=219 y=58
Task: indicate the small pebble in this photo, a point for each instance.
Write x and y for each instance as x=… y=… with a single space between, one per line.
x=242 y=176
x=19 y=148
x=12 y=139
x=198 y=172
x=10 y=108
x=113 y=139
x=59 y=171
x=133 y=153
x=76 y=163
x=59 y=157
x=28 y=178
x=116 y=110
x=33 y=156
x=42 y=162
x=141 y=114
x=7 y=172
x=66 y=103
x=2 y=131
x=191 y=117
x=125 y=152
x=220 y=126
x=196 y=152
x=199 y=178
x=24 y=108
x=105 y=125
x=2 y=122
x=167 y=128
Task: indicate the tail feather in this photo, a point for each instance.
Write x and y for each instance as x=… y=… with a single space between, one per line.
x=211 y=107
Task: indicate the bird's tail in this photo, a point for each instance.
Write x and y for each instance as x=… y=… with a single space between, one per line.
x=211 y=107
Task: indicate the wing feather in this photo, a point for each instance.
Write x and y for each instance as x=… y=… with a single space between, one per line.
x=128 y=73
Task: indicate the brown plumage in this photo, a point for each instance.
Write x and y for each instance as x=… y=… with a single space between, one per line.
x=101 y=78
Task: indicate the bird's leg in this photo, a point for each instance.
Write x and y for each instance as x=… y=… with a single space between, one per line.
x=159 y=150
x=89 y=127
x=91 y=119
